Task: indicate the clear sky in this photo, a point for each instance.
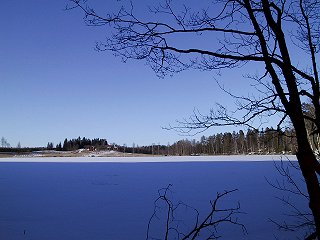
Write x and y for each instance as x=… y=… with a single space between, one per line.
x=54 y=85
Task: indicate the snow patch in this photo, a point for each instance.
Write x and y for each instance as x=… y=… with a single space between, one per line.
x=95 y=157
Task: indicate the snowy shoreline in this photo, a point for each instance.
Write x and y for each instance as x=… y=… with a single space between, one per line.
x=155 y=159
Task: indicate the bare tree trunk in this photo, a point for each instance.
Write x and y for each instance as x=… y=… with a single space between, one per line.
x=307 y=161
x=312 y=183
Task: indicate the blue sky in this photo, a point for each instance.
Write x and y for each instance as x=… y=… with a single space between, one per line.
x=54 y=85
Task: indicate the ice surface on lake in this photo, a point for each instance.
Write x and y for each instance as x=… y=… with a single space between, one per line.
x=107 y=200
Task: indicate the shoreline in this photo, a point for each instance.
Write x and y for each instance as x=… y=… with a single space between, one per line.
x=150 y=159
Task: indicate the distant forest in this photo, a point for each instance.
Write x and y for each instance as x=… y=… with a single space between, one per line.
x=268 y=141
x=79 y=143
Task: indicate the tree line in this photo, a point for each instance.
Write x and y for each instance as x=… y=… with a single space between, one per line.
x=266 y=141
x=78 y=143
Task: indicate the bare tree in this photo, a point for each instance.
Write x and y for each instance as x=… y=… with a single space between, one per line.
x=4 y=143
x=264 y=33
x=203 y=228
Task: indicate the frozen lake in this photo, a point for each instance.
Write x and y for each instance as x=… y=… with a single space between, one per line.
x=100 y=198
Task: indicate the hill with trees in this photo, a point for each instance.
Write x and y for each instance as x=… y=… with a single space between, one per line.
x=79 y=143
x=267 y=141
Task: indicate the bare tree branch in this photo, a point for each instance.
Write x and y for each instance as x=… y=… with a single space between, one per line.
x=207 y=226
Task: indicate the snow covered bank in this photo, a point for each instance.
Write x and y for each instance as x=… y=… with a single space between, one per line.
x=229 y=158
